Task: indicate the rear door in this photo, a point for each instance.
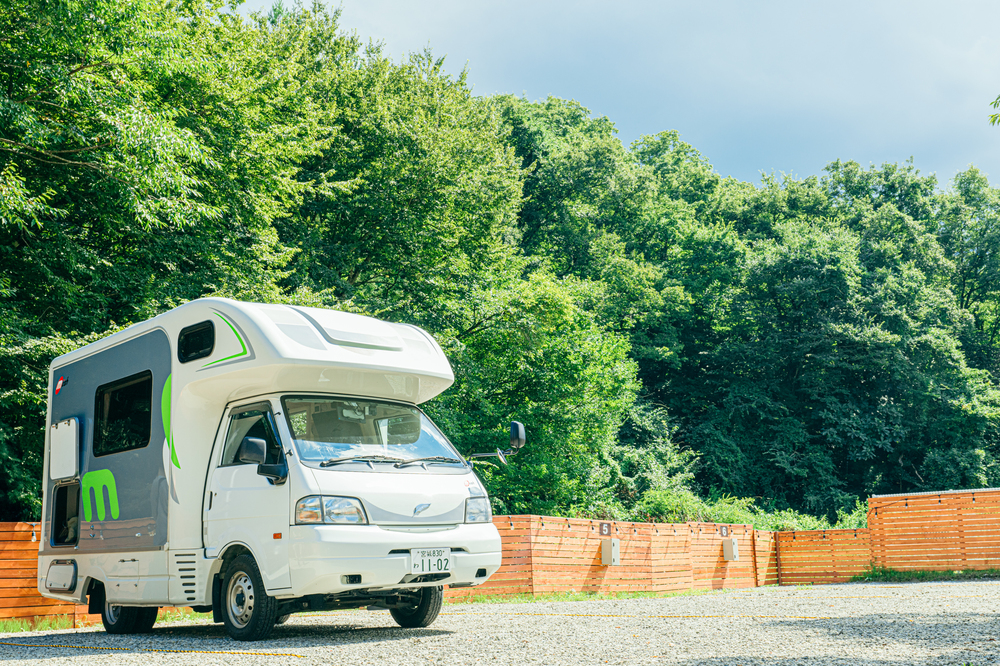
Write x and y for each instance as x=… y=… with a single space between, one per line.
x=243 y=506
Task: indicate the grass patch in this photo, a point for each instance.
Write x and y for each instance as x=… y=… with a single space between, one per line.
x=574 y=596
x=177 y=614
x=885 y=575
x=17 y=625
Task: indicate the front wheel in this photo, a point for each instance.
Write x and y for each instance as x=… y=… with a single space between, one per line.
x=423 y=613
x=247 y=610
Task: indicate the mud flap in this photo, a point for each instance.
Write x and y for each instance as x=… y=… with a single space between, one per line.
x=95 y=600
x=216 y=598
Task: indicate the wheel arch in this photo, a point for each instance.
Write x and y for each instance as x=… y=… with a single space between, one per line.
x=94 y=595
x=217 y=572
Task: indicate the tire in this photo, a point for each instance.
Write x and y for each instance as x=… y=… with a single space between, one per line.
x=424 y=613
x=247 y=610
x=283 y=619
x=145 y=619
x=119 y=619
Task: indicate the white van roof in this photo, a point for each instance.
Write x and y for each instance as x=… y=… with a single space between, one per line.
x=303 y=348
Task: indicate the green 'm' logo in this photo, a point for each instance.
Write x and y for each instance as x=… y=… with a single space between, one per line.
x=99 y=479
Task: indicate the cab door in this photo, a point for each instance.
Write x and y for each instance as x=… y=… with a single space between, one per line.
x=244 y=507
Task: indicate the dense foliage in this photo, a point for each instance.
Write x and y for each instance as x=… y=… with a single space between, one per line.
x=679 y=345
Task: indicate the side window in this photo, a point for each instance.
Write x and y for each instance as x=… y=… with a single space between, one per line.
x=123 y=414
x=255 y=421
x=196 y=342
x=66 y=515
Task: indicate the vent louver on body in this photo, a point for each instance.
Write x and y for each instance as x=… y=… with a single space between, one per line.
x=185 y=564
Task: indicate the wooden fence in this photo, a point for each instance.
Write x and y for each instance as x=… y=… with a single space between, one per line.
x=544 y=555
x=765 y=555
x=822 y=556
x=19 y=596
x=936 y=531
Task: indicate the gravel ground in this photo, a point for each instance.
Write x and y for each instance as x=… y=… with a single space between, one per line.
x=846 y=625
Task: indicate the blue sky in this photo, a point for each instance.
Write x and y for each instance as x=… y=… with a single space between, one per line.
x=755 y=86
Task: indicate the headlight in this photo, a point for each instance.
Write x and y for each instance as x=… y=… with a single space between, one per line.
x=477 y=510
x=308 y=510
x=343 y=510
x=333 y=510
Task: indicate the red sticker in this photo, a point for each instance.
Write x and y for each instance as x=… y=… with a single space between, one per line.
x=60 y=384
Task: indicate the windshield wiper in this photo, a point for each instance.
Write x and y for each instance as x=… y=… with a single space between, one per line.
x=439 y=459
x=366 y=459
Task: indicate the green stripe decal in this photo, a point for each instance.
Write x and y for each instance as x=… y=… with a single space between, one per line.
x=240 y=339
x=165 y=401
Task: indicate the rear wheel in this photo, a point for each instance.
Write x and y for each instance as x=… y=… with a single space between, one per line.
x=119 y=619
x=247 y=611
x=423 y=613
x=145 y=619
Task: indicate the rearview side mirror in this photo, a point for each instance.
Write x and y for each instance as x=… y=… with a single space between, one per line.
x=277 y=473
x=516 y=442
x=516 y=435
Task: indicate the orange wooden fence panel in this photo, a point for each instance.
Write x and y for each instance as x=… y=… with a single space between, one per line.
x=514 y=576
x=766 y=557
x=936 y=531
x=822 y=556
x=670 y=558
x=566 y=556
x=19 y=596
x=709 y=570
x=546 y=555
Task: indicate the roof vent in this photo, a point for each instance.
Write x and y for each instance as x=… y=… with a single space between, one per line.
x=351 y=330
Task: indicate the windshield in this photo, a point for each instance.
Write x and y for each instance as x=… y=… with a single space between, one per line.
x=330 y=429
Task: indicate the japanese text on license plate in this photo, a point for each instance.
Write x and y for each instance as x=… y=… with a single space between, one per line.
x=430 y=560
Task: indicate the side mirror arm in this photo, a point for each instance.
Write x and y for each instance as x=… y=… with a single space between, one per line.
x=502 y=455
x=517 y=438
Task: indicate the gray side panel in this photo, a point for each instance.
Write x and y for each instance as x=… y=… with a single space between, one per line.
x=138 y=475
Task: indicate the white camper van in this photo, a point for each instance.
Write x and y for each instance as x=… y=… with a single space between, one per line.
x=255 y=461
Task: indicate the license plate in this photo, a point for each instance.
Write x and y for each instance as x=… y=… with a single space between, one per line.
x=430 y=560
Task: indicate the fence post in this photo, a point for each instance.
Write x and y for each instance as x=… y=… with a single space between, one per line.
x=534 y=524
x=777 y=554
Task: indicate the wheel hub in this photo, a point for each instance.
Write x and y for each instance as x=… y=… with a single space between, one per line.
x=241 y=599
x=112 y=611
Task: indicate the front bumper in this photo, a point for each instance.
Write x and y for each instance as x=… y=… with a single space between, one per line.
x=321 y=556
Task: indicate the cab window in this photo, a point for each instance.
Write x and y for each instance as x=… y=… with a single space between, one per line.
x=254 y=421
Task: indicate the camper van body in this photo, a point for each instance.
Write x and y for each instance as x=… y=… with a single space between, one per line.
x=145 y=494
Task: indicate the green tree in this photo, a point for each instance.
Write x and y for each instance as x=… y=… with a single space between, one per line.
x=545 y=361
x=414 y=211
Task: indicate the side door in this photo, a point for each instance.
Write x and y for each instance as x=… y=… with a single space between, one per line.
x=244 y=507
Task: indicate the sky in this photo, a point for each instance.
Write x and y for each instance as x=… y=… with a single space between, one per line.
x=757 y=87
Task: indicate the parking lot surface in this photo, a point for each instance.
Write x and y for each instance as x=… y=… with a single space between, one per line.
x=848 y=625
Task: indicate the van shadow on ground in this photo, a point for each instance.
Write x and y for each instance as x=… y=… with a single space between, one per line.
x=945 y=630
x=960 y=638
x=835 y=661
